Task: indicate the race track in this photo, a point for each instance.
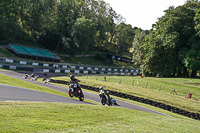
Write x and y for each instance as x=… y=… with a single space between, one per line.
x=10 y=93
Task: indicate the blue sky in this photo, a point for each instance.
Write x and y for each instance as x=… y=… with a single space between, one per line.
x=142 y=13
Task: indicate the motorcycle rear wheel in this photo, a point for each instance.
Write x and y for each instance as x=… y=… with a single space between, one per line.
x=81 y=97
x=109 y=102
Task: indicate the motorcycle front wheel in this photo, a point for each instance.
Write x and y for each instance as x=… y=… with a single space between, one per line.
x=71 y=93
x=103 y=100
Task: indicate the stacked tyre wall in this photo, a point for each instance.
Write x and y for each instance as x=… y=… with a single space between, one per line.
x=139 y=99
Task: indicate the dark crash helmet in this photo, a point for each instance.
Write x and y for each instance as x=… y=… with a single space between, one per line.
x=72 y=77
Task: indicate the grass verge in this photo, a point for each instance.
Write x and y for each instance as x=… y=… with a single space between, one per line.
x=164 y=96
x=138 y=103
x=59 y=117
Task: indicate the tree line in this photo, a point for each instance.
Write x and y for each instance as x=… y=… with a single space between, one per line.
x=65 y=25
x=172 y=47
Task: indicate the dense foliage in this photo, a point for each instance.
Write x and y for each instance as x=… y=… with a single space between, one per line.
x=172 y=47
x=65 y=25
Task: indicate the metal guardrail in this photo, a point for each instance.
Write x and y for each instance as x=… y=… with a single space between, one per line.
x=72 y=67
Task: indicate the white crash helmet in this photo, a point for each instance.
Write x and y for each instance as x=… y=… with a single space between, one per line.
x=101 y=88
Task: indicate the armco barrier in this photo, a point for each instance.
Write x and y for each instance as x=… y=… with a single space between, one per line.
x=23 y=68
x=86 y=69
x=192 y=115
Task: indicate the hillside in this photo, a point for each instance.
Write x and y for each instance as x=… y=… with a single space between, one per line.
x=87 y=60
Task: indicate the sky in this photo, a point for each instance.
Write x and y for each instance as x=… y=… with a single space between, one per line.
x=142 y=13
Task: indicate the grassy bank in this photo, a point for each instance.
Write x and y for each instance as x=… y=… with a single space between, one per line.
x=56 y=117
x=20 y=117
x=5 y=53
x=152 y=91
x=73 y=60
x=93 y=61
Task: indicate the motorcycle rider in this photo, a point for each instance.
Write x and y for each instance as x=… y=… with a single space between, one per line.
x=46 y=81
x=32 y=75
x=74 y=80
x=104 y=92
x=35 y=78
x=75 y=88
x=26 y=76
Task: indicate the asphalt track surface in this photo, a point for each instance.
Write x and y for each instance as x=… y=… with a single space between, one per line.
x=11 y=93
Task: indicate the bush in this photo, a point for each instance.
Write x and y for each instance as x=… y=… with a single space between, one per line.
x=100 y=57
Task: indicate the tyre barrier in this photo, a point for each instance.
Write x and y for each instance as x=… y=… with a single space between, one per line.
x=97 y=89
x=170 y=108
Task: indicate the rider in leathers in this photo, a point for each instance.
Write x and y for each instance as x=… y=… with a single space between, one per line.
x=104 y=92
x=74 y=80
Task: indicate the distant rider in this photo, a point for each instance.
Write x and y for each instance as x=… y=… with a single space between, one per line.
x=26 y=76
x=104 y=92
x=47 y=80
x=32 y=75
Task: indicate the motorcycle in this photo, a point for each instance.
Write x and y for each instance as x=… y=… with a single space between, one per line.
x=105 y=98
x=25 y=76
x=34 y=78
x=75 y=90
x=46 y=81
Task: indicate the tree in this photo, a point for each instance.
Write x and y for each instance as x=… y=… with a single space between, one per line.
x=168 y=48
x=55 y=24
x=137 y=44
x=124 y=36
x=83 y=32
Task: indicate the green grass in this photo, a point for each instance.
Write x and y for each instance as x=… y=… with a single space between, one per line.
x=82 y=60
x=137 y=103
x=59 y=117
x=153 y=93
x=5 y=53
x=20 y=117
x=93 y=61
x=182 y=85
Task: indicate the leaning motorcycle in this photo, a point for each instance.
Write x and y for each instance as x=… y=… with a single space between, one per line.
x=105 y=99
x=75 y=90
x=46 y=81
x=25 y=76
